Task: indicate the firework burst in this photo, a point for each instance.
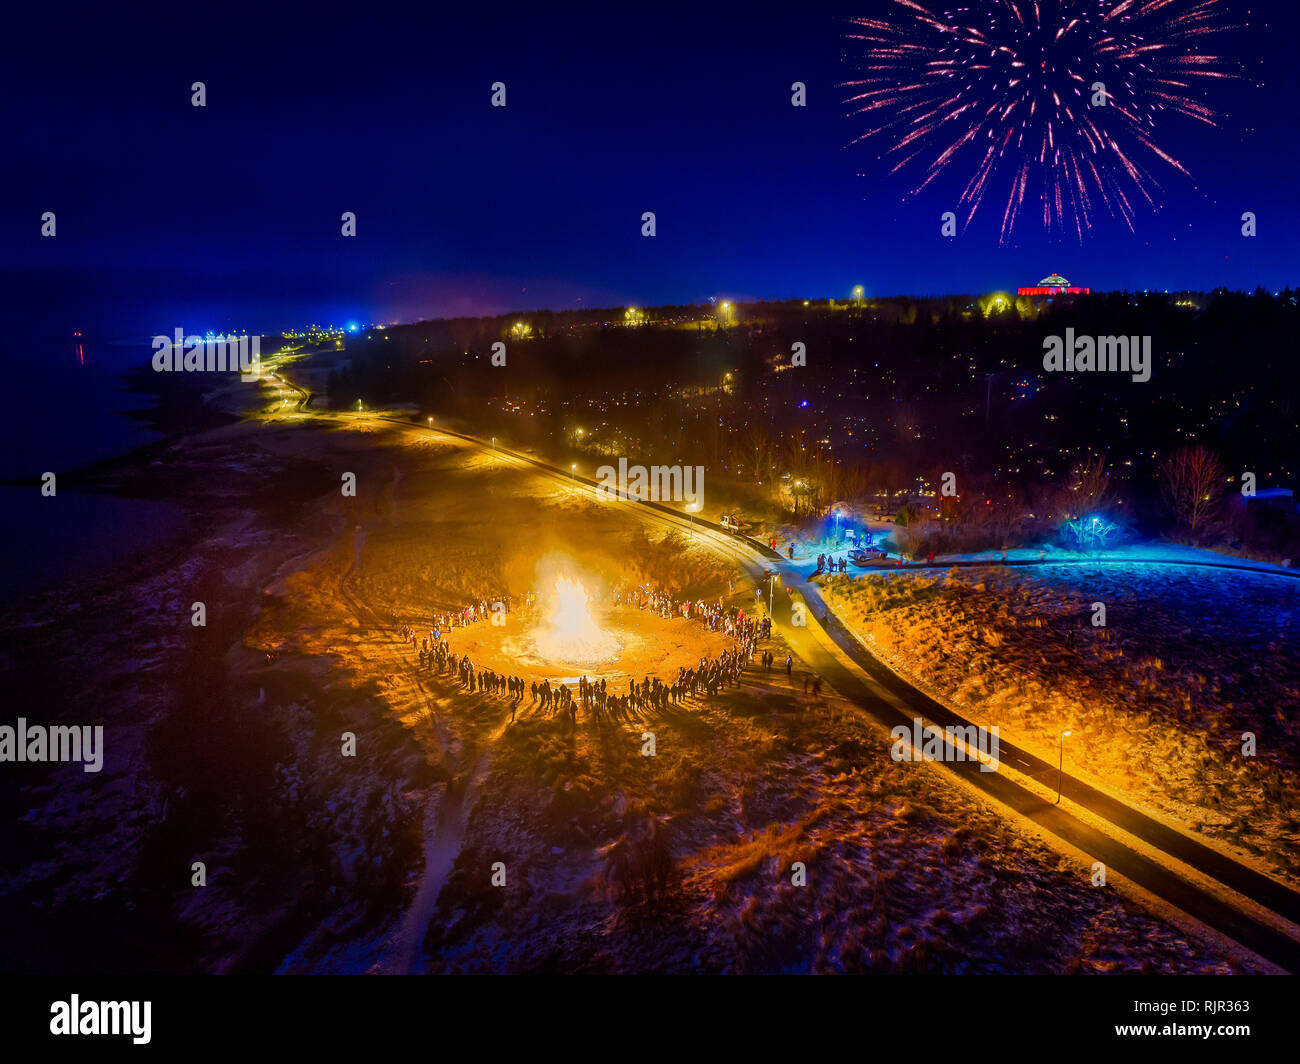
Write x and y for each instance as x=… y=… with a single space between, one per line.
x=1054 y=97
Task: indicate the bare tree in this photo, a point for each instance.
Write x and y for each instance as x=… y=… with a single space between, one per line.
x=1085 y=487
x=759 y=452
x=911 y=527
x=1192 y=480
x=799 y=453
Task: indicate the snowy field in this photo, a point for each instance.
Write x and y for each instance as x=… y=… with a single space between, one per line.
x=224 y=745
x=1189 y=662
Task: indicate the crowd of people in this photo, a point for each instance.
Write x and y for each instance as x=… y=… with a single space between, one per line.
x=715 y=616
x=705 y=678
x=471 y=614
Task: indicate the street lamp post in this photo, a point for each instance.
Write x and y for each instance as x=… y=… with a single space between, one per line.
x=573 y=471
x=1059 y=764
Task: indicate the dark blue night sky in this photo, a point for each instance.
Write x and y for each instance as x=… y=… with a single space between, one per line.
x=229 y=216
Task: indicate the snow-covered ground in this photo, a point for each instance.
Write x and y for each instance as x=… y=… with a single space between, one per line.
x=225 y=747
x=1144 y=550
x=1150 y=550
x=1161 y=700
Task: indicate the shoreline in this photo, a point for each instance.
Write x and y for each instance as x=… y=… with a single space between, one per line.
x=108 y=493
x=292 y=654
x=171 y=417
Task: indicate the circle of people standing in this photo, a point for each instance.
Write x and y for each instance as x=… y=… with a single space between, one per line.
x=705 y=678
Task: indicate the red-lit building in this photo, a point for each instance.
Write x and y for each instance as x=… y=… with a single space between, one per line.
x=1055 y=285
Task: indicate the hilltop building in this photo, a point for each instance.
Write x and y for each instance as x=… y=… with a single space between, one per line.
x=1052 y=285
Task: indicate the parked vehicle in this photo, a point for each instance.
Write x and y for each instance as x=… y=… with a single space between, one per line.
x=866 y=557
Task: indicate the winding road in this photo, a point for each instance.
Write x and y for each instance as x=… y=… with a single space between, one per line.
x=835 y=653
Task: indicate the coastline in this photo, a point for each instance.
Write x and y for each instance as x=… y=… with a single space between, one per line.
x=117 y=512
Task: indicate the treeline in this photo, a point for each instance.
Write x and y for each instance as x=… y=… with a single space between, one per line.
x=890 y=393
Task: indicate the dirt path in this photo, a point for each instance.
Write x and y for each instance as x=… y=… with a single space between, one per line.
x=829 y=650
x=447 y=811
x=446 y=822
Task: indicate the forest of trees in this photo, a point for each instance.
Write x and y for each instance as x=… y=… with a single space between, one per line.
x=892 y=394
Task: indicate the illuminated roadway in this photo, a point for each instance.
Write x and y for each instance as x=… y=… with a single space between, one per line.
x=892 y=701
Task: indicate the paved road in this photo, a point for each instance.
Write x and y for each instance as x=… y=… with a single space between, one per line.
x=1182 y=563
x=892 y=701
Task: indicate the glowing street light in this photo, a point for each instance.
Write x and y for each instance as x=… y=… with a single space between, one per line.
x=1060 y=762
x=573 y=470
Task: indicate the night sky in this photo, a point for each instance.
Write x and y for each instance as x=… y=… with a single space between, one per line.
x=228 y=216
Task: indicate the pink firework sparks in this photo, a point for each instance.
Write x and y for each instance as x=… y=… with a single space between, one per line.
x=1058 y=97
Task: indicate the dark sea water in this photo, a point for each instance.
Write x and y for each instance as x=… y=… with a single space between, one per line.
x=64 y=410
x=62 y=414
